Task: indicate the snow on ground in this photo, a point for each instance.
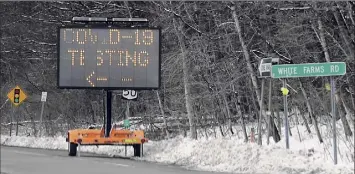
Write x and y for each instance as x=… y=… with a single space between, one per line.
x=228 y=154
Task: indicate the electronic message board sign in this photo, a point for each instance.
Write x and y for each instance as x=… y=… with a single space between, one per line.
x=108 y=57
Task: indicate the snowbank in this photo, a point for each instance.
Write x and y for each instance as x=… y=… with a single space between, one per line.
x=232 y=155
x=229 y=154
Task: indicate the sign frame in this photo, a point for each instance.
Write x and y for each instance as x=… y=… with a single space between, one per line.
x=108 y=26
x=267 y=62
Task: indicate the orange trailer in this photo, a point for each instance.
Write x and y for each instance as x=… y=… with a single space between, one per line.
x=87 y=137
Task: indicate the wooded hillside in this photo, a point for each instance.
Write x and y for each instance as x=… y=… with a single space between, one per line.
x=210 y=57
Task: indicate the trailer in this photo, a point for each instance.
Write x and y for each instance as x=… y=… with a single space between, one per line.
x=117 y=136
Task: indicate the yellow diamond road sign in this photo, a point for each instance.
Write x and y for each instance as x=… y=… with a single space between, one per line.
x=16 y=95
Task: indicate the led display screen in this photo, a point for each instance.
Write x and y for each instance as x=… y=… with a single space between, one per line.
x=116 y=58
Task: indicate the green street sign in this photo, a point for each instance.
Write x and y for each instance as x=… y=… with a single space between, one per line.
x=308 y=70
x=126 y=123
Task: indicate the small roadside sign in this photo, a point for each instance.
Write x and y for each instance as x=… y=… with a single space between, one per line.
x=44 y=97
x=265 y=66
x=129 y=94
x=16 y=96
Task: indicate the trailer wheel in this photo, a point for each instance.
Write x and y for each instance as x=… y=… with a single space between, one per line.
x=72 y=149
x=137 y=150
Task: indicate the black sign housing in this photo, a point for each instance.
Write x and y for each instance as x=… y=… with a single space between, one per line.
x=109 y=57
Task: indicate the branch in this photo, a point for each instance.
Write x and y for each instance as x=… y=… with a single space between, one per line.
x=180 y=17
x=3 y=26
x=4 y=103
x=43 y=20
x=40 y=58
x=32 y=83
x=225 y=23
x=24 y=122
x=115 y=5
x=293 y=8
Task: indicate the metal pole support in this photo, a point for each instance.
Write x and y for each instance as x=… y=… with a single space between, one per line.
x=41 y=120
x=261 y=112
x=269 y=115
x=108 y=113
x=141 y=155
x=78 y=149
x=286 y=116
x=332 y=97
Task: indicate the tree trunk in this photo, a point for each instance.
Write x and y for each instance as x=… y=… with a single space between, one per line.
x=274 y=131
x=93 y=107
x=343 y=119
x=10 y=127
x=348 y=111
x=344 y=34
x=188 y=103
x=218 y=122
x=249 y=65
x=241 y=115
x=163 y=115
x=289 y=127
x=309 y=108
x=351 y=11
x=306 y=123
x=271 y=126
x=278 y=120
x=244 y=128
x=50 y=125
x=221 y=113
x=33 y=125
x=127 y=116
x=350 y=93
x=214 y=131
x=246 y=54
x=228 y=112
x=345 y=122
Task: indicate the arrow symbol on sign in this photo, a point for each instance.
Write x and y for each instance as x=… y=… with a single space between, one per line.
x=89 y=79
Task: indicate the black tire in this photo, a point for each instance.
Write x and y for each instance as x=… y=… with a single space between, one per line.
x=137 y=150
x=72 y=149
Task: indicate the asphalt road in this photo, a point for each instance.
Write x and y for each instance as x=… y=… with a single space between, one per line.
x=17 y=160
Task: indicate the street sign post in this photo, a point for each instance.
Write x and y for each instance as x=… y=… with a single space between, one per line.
x=43 y=100
x=313 y=70
x=16 y=96
x=285 y=91
x=332 y=100
x=308 y=70
x=265 y=71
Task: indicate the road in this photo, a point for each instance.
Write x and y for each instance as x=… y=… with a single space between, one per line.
x=17 y=160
